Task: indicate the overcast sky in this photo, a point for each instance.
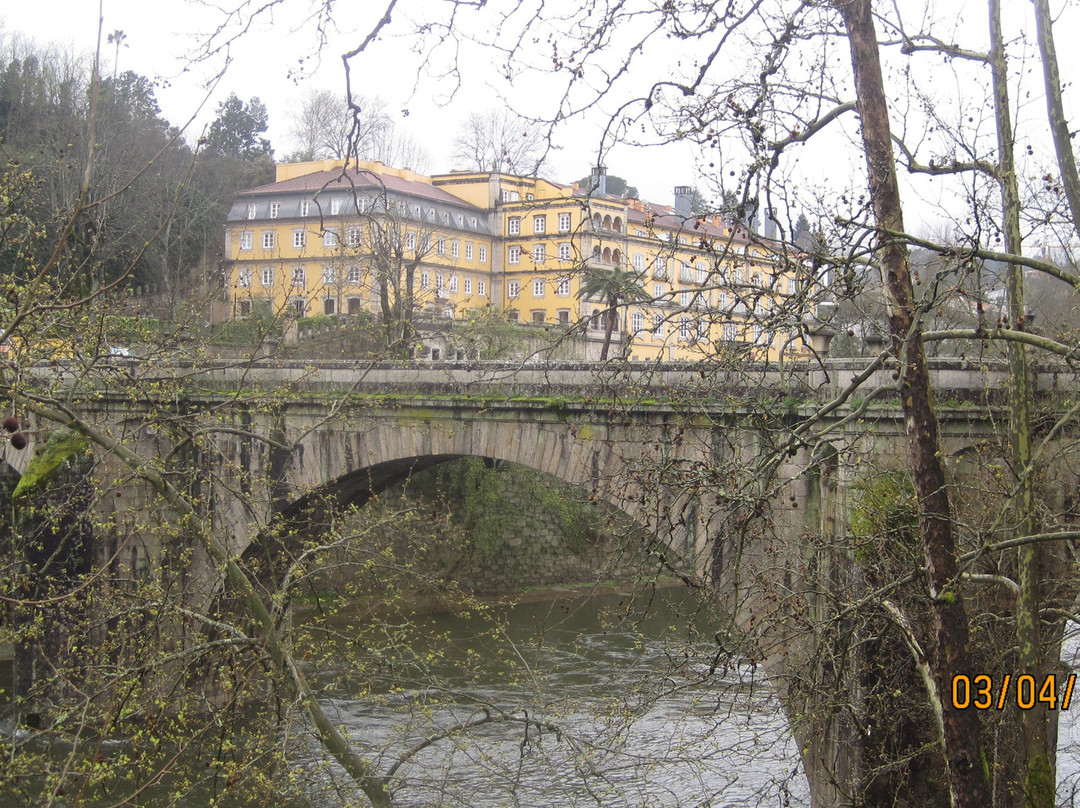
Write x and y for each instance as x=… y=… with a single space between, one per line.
x=276 y=61
x=160 y=35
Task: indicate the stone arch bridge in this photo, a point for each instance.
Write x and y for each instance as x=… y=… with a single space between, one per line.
x=706 y=464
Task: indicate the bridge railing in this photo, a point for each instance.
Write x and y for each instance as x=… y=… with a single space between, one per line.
x=966 y=380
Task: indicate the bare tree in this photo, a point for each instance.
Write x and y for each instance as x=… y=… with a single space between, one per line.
x=392 y=145
x=325 y=125
x=500 y=141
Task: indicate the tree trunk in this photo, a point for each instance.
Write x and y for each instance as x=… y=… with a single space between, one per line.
x=1055 y=109
x=1039 y=781
x=609 y=327
x=965 y=761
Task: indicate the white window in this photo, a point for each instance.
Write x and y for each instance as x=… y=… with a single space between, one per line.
x=329 y=238
x=335 y=207
x=268 y=239
x=440 y=246
x=410 y=241
x=639 y=262
x=702 y=272
x=513 y=288
x=455 y=249
x=243 y=277
x=660 y=267
x=468 y=251
x=564 y=222
x=731 y=333
x=721 y=300
x=658 y=290
x=685 y=272
x=275 y=208
x=329 y=275
x=565 y=253
x=425 y=279
x=453 y=283
x=792 y=286
x=354 y=276
x=637 y=322
x=563 y=287
x=440 y=282
x=245 y=241
x=352 y=237
x=658 y=324
x=513 y=225
x=738 y=277
x=253 y=210
x=684 y=328
x=702 y=327
x=483 y=255
x=305 y=207
x=468 y=286
x=538 y=287
x=539 y=253
x=266 y=276
x=759 y=333
x=539 y=224
x=685 y=298
x=510 y=196
x=299 y=277
x=299 y=238
x=513 y=254
x=481 y=288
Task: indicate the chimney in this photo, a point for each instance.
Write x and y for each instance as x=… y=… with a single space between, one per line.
x=598 y=181
x=748 y=214
x=684 y=201
x=770 y=223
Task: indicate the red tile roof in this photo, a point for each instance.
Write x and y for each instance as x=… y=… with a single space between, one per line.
x=334 y=179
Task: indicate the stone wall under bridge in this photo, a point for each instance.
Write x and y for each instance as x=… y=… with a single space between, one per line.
x=704 y=479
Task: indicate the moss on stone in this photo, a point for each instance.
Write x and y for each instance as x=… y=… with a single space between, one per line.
x=59 y=448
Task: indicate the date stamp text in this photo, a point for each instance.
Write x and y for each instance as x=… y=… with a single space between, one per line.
x=984 y=692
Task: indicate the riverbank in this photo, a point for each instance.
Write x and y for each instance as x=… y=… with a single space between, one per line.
x=453 y=600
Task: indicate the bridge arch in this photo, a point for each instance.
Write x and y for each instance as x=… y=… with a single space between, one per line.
x=348 y=458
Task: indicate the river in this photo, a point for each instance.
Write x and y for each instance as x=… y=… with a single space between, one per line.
x=578 y=700
x=603 y=701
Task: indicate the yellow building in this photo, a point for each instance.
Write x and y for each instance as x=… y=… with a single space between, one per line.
x=323 y=240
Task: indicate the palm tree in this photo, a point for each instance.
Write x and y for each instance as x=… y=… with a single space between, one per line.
x=613 y=287
x=117 y=38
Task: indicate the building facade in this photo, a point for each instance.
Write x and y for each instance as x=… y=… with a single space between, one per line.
x=325 y=239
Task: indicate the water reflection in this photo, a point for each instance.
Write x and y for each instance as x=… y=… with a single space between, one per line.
x=578 y=701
